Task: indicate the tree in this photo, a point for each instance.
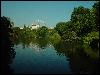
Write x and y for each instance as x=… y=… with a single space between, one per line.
x=81 y=21
x=7 y=51
x=16 y=32
x=61 y=28
x=96 y=13
x=70 y=36
x=42 y=31
x=91 y=38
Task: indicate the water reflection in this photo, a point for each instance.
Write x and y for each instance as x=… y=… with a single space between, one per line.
x=80 y=61
x=39 y=42
x=42 y=43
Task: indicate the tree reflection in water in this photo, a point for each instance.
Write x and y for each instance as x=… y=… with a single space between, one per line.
x=39 y=42
x=80 y=61
x=7 y=50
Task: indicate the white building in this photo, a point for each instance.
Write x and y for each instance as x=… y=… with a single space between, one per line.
x=35 y=26
x=21 y=28
x=51 y=27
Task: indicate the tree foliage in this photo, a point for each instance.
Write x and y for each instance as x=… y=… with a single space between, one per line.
x=60 y=27
x=42 y=31
x=7 y=51
x=84 y=23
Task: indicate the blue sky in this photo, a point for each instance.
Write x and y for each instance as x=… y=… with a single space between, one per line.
x=49 y=12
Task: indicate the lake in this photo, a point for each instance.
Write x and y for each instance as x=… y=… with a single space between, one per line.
x=44 y=57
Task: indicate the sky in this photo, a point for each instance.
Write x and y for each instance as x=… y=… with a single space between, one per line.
x=48 y=12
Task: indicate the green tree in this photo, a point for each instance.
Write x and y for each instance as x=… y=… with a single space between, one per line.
x=96 y=14
x=81 y=21
x=61 y=28
x=65 y=31
x=42 y=31
x=70 y=36
x=16 y=32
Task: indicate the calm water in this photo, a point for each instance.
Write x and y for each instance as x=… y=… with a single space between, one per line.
x=43 y=57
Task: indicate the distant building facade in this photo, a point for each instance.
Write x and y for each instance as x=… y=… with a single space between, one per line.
x=35 y=26
x=21 y=28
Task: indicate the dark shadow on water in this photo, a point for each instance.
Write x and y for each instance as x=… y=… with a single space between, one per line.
x=80 y=61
